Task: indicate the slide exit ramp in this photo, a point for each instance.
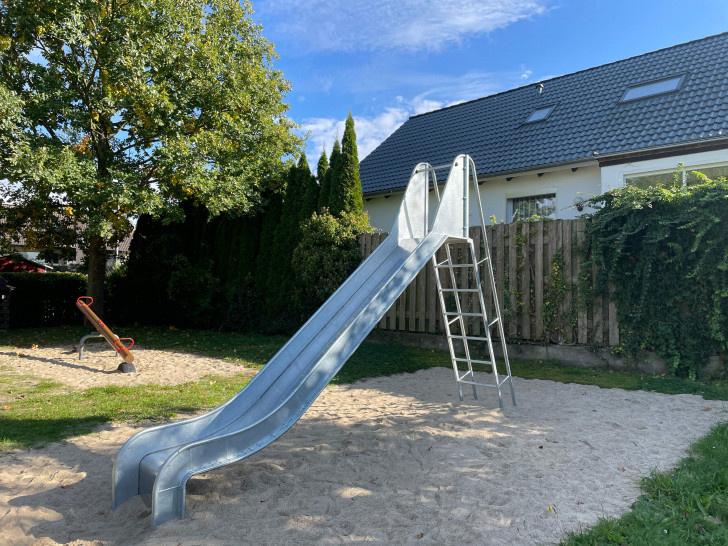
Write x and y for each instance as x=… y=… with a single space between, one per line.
x=159 y=461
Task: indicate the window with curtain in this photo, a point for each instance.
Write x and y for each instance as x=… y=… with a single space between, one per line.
x=524 y=208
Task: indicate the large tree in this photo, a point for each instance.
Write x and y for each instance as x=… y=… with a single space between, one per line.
x=115 y=108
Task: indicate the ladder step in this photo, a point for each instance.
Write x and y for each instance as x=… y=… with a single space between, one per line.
x=444 y=265
x=473 y=361
x=455 y=313
x=470 y=338
x=460 y=290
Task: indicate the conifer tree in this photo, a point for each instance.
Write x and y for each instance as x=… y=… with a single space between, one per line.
x=346 y=193
x=331 y=178
x=267 y=240
x=310 y=189
x=321 y=168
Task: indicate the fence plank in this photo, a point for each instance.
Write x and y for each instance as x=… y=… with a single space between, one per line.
x=568 y=279
x=512 y=279
x=432 y=304
x=538 y=282
x=597 y=316
x=582 y=317
x=526 y=282
x=485 y=278
x=558 y=245
x=613 y=326
x=476 y=234
x=499 y=245
x=412 y=304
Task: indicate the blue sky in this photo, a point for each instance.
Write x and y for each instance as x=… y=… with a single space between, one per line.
x=385 y=60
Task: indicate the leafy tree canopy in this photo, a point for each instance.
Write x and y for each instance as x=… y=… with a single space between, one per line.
x=116 y=108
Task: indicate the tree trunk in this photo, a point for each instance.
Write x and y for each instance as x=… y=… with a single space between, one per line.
x=96 y=259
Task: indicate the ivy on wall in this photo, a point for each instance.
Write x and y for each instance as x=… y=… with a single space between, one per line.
x=665 y=251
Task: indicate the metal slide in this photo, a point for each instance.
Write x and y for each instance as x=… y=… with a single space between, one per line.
x=157 y=462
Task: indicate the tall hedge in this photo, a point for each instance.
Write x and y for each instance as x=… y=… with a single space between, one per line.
x=181 y=273
x=45 y=299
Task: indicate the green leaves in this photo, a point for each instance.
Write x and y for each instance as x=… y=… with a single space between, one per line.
x=664 y=250
x=115 y=109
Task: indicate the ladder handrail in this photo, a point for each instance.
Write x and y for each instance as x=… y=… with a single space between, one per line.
x=470 y=176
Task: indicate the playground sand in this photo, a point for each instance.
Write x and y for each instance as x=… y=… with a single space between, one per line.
x=395 y=459
x=99 y=365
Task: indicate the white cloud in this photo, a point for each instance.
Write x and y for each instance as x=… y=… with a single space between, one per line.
x=370 y=131
x=343 y=25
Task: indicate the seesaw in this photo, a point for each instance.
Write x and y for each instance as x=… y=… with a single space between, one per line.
x=104 y=332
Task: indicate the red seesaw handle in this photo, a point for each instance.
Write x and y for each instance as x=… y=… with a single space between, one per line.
x=118 y=345
x=80 y=302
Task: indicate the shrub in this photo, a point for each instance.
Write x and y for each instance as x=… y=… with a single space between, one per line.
x=327 y=254
x=45 y=299
x=664 y=250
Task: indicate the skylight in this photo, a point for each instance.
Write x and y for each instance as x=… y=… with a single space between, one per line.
x=653 y=88
x=541 y=113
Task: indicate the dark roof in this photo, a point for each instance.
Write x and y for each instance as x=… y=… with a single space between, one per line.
x=587 y=117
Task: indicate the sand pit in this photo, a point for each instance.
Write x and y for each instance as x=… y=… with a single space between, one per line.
x=393 y=460
x=100 y=362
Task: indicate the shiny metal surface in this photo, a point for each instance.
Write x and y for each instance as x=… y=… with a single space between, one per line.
x=158 y=461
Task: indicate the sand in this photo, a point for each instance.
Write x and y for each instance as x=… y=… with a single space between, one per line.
x=392 y=460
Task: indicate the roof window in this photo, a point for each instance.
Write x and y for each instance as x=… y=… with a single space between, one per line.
x=653 y=88
x=540 y=114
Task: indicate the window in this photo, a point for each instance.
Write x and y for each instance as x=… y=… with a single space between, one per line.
x=523 y=208
x=540 y=114
x=692 y=174
x=662 y=180
x=653 y=88
x=690 y=177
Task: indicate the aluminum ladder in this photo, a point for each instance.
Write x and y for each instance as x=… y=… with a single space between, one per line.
x=462 y=280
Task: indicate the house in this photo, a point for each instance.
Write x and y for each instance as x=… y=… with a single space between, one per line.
x=545 y=147
x=71 y=260
x=22 y=265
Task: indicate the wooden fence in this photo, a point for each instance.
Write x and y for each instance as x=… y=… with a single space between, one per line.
x=526 y=280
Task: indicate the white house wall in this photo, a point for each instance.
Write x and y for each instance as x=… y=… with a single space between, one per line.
x=495 y=194
x=614 y=176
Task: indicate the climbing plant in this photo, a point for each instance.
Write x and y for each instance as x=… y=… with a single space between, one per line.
x=664 y=250
x=558 y=318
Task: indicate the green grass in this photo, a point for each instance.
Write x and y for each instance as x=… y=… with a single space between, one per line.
x=15 y=386
x=38 y=418
x=688 y=505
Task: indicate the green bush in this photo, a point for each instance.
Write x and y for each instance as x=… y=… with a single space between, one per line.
x=665 y=252
x=45 y=299
x=327 y=254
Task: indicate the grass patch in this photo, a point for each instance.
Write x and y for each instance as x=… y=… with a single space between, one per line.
x=38 y=418
x=688 y=505
x=15 y=386
x=611 y=379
